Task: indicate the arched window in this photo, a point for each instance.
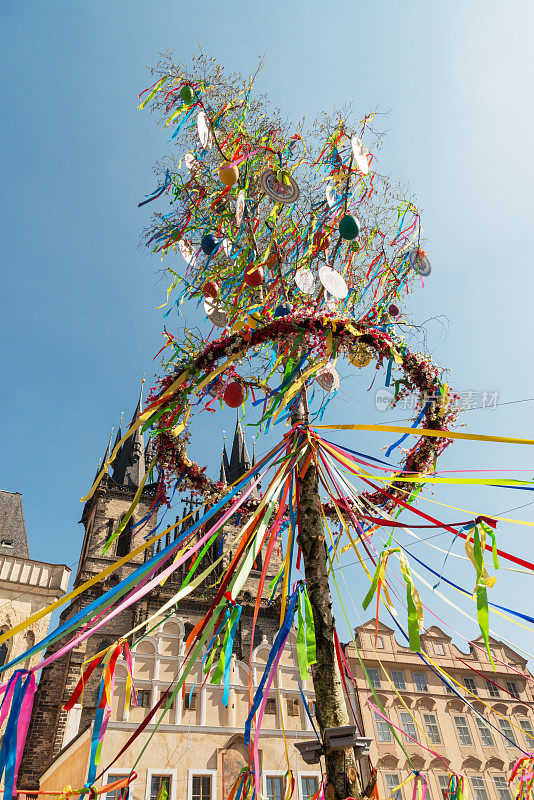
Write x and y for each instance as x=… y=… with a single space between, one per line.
x=3 y=654
x=124 y=541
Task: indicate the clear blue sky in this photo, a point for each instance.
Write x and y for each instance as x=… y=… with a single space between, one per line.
x=78 y=294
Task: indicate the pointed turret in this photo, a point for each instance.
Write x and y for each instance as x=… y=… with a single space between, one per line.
x=129 y=466
x=240 y=459
x=225 y=466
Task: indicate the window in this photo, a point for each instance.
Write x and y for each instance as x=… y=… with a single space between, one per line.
x=275 y=787
x=164 y=704
x=293 y=707
x=160 y=786
x=190 y=701
x=448 y=688
x=443 y=781
x=470 y=684
x=124 y=541
x=398 y=679
x=270 y=706
x=501 y=787
x=114 y=794
x=383 y=733
x=431 y=728
x=439 y=650
x=479 y=789
x=463 y=731
x=506 y=729
x=512 y=688
x=492 y=689
x=6 y=543
x=200 y=787
x=379 y=643
x=374 y=677
x=408 y=725
x=392 y=782
x=310 y=786
x=419 y=678
x=143 y=698
x=311 y=706
x=526 y=727
x=485 y=733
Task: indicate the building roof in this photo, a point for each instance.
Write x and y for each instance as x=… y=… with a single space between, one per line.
x=240 y=462
x=129 y=467
x=13 y=536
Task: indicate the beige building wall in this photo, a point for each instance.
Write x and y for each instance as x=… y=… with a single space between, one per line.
x=204 y=740
x=26 y=586
x=478 y=752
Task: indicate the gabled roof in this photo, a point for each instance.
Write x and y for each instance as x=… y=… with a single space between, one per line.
x=13 y=536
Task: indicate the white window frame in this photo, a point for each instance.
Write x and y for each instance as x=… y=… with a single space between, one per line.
x=202 y=773
x=484 y=786
x=417 y=689
x=380 y=643
x=272 y=773
x=122 y=771
x=439 y=649
x=465 y=725
x=403 y=679
x=173 y=775
x=304 y=774
x=426 y=713
x=529 y=741
x=375 y=685
x=482 y=725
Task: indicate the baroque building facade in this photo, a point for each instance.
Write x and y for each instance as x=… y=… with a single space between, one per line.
x=459 y=738
x=26 y=585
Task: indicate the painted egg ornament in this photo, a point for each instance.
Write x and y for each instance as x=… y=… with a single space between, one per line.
x=253 y=276
x=227 y=247
x=393 y=310
x=204 y=130
x=211 y=289
x=349 y=227
x=191 y=163
x=328 y=378
x=305 y=280
x=187 y=251
x=215 y=313
x=285 y=190
x=419 y=261
x=360 y=356
x=234 y=394
x=359 y=154
x=333 y=282
x=209 y=243
x=228 y=173
x=187 y=94
x=283 y=310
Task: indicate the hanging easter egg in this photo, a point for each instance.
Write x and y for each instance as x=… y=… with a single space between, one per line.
x=191 y=163
x=305 y=280
x=393 y=310
x=253 y=275
x=187 y=251
x=210 y=289
x=215 y=313
x=204 y=130
x=234 y=394
x=349 y=227
x=282 y=310
x=273 y=259
x=328 y=378
x=321 y=240
x=419 y=261
x=331 y=303
x=333 y=282
x=359 y=155
x=228 y=173
x=187 y=93
x=208 y=243
x=240 y=207
x=284 y=191
x=227 y=247
x=360 y=355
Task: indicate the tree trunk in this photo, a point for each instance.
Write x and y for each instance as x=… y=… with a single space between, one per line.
x=331 y=709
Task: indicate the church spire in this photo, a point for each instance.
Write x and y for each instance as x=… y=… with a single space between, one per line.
x=225 y=466
x=129 y=467
x=239 y=460
x=106 y=455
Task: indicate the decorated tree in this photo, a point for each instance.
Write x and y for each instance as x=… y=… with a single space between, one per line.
x=301 y=253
